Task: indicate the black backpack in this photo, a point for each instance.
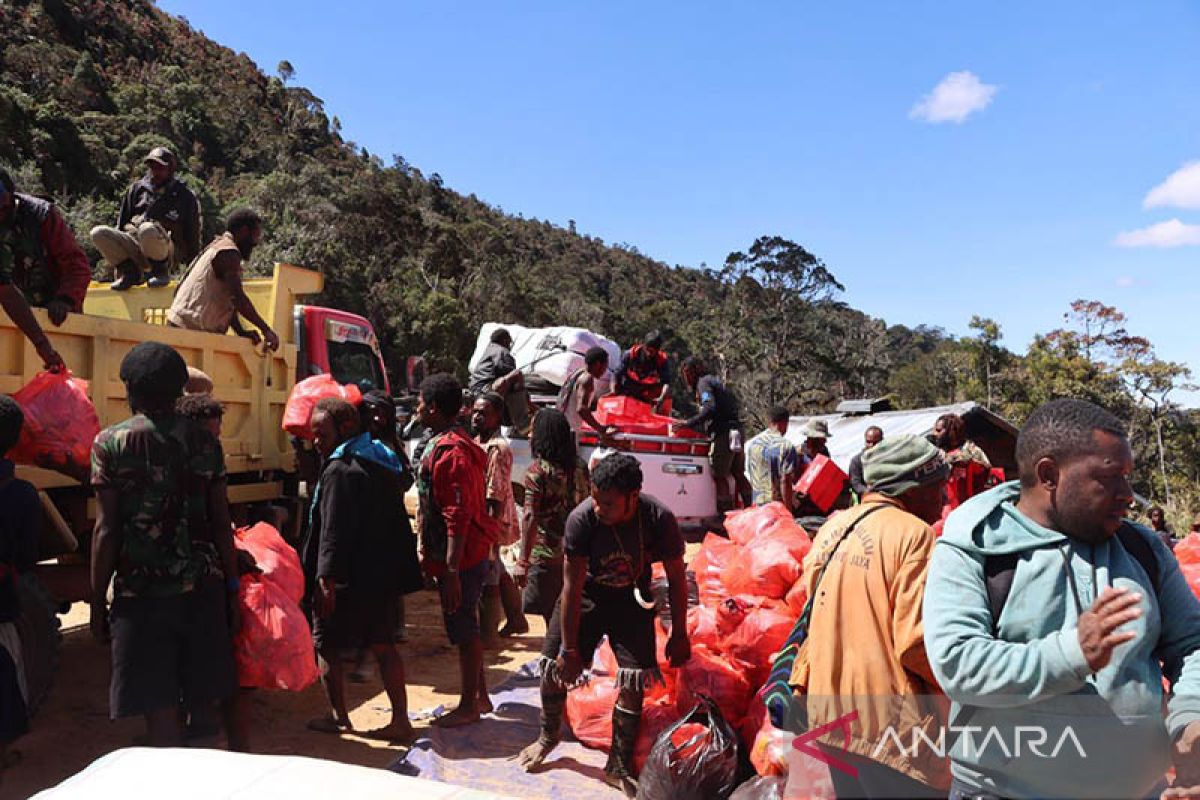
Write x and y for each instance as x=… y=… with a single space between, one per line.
x=998 y=570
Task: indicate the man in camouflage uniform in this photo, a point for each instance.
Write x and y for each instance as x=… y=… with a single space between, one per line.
x=164 y=539
x=40 y=264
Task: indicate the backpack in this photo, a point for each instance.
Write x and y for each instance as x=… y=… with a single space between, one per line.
x=998 y=570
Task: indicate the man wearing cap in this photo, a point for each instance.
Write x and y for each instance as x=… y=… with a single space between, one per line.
x=41 y=265
x=816 y=433
x=157 y=228
x=164 y=541
x=497 y=372
x=864 y=651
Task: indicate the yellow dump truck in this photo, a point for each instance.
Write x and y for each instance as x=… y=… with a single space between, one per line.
x=252 y=384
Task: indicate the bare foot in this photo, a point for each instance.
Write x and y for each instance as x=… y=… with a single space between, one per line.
x=330 y=725
x=514 y=628
x=532 y=756
x=396 y=733
x=457 y=718
x=622 y=783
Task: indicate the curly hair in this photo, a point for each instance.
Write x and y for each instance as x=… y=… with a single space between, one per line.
x=11 y=420
x=199 y=406
x=1061 y=429
x=444 y=393
x=620 y=472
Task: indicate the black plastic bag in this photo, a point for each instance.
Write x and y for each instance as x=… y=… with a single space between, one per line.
x=767 y=788
x=702 y=768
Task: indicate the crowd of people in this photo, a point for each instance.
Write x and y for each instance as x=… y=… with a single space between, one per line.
x=1040 y=604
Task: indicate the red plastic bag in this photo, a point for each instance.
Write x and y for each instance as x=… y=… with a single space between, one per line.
x=797 y=597
x=711 y=674
x=274 y=649
x=760 y=636
x=589 y=712
x=278 y=560
x=657 y=715
x=60 y=424
x=304 y=397
x=748 y=524
x=1187 y=551
x=715 y=554
x=767 y=567
x=704 y=767
x=702 y=626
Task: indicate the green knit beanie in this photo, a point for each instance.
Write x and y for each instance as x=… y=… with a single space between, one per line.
x=900 y=463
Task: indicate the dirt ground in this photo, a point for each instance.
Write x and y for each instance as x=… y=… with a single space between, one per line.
x=72 y=728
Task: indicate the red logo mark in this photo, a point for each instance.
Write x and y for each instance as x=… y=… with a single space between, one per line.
x=806 y=743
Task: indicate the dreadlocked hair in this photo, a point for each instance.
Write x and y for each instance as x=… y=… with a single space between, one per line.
x=553 y=440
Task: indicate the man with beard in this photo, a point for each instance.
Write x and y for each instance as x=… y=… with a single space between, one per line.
x=158 y=226
x=1046 y=606
x=210 y=296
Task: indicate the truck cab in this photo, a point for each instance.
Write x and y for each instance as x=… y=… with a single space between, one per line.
x=339 y=343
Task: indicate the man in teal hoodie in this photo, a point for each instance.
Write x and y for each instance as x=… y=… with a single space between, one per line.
x=1061 y=694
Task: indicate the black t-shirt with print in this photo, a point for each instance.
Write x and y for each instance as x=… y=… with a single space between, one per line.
x=615 y=554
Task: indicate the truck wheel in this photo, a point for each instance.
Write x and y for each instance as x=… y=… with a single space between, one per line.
x=41 y=639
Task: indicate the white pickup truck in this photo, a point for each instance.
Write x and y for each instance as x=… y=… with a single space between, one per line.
x=676 y=471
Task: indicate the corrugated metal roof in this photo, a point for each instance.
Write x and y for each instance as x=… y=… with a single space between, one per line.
x=846 y=432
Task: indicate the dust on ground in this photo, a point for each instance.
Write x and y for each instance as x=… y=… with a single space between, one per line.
x=72 y=728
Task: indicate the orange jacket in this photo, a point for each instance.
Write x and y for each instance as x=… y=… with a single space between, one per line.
x=865 y=650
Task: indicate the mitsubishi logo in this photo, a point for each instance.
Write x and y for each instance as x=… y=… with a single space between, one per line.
x=682 y=488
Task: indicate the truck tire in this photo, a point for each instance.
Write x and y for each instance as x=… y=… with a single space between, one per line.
x=41 y=639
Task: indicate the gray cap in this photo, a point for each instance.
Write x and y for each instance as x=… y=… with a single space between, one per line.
x=161 y=155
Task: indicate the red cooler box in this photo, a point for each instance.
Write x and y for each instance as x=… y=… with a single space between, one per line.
x=822 y=482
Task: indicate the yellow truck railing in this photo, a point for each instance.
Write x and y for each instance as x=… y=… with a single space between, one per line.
x=253 y=386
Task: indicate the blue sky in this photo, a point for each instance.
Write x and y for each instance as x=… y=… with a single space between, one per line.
x=688 y=130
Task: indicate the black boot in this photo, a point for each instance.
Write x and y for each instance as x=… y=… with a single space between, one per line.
x=158 y=275
x=128 y=274
x=618 y=772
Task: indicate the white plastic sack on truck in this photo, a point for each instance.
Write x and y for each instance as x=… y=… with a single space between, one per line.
x=549 y=356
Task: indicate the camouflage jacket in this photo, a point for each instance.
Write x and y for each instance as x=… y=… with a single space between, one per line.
x=161 y=468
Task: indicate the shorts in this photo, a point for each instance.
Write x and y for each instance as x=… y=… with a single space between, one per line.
x=628 y=626
x=543 y=585
x=463 y=625
x=171 y=649
x=725 y=460
x=360 y=619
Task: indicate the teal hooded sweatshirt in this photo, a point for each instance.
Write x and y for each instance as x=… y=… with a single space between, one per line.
x=1040 y=723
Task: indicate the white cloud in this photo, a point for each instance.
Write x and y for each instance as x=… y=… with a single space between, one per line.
x=1171 y=233
x=1181 y=189
x=958 y=96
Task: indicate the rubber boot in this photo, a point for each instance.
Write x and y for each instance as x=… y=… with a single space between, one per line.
x=514 y=614
x=490 y=613
x=618 y=772
x=554 y=700
x=158 y=275
x=128 y=276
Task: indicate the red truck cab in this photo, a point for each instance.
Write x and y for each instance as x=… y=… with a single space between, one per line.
x=341 y=344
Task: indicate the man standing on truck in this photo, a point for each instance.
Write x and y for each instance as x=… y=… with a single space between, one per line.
x=457 y=535
x=210 y=297
x=158 y=226
x=644 y=373
x=358 y=562
x=718 y=417
x=577 y=399
x=612 y=539
x=164 y=539
x=497 y=372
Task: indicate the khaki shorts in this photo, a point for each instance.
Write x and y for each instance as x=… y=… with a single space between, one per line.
x=149 y=241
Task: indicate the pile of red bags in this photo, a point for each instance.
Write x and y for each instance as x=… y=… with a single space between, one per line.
x=1187 y=552
x=274 y=649
x=304 y=398
x=751 y=594
x=60 y=424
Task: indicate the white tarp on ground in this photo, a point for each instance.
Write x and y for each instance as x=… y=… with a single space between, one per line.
x=143 y=773
x=846 y=433
x=551 y=354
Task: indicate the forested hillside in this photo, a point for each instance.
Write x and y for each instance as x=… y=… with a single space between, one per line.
x=88 y=87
